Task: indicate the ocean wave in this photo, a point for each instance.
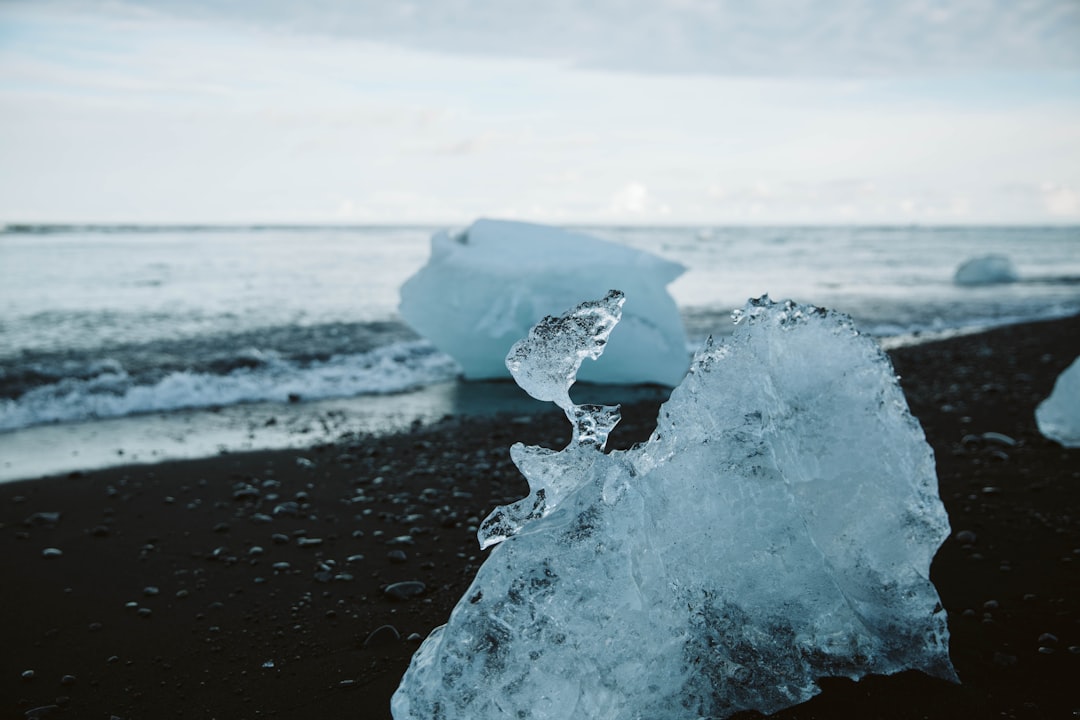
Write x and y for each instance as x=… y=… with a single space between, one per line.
x=113 y=392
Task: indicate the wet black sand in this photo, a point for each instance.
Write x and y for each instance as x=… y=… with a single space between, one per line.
x=189 y=590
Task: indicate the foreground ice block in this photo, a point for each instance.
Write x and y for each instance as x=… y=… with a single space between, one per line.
x=777 y=528
x=484 y=288
x=1058 y=416
x=986 y=270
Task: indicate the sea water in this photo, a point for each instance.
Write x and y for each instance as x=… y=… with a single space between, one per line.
x=114 y=323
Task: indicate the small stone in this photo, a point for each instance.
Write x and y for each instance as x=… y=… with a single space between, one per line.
x=50 y=553
x=67 y=680
x=261 y=518
x=42 y=518
x=309 y=542
x=397 y=556
x=289 y=507
x=401 y=540
x=245 y=492
x=255 y=550
x=151 y=591
x=1004 y=659
x=415 y=637
x=354 y=558
x=281 y=566
x=966 y=537
x=221 y=527
x=145 y=612
x=40 y=712
x=182 y=593
x=999 y=438
x=382 y=636
x=113 y=659
x=27 y=675
x=405 y=590
x=1048 y=639
x=280 y=538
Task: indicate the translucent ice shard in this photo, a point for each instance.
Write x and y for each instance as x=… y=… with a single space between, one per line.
x=545 y=364
x=1058 y=416
x=777 y=528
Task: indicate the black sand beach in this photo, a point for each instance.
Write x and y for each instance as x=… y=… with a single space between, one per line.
x=255 y=585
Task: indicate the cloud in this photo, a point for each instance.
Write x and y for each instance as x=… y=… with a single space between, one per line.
x=718 y=37
x=635 y=200
x=1060 y=201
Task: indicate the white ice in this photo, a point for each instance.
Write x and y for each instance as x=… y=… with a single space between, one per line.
x=1058 y=416
x=986 y=270
x=482 y=289
x=778 y=527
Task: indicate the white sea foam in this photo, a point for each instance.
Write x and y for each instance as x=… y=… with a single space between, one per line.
x=389 y=369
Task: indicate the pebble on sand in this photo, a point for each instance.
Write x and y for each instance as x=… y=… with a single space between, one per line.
x=405 y=590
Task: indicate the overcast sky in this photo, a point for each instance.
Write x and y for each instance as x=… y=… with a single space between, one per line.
x=633 y=111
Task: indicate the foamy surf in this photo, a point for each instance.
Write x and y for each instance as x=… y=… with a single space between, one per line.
x=113 y=392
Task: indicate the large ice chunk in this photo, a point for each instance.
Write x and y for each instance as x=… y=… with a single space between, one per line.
x=777 y=528
x=1058 y=416
x=986 y=270
x=484 y=288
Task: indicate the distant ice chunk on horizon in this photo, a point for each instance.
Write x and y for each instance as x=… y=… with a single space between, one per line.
x=986 y=270
x=1058 y=416
x=777 y=528
x=482 y=290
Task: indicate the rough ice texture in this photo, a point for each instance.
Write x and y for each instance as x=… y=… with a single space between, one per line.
x=986 y=270
x=778 y=527
x=1058 y=416
x=483 y=289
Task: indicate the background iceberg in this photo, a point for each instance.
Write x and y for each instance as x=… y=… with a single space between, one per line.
x=778 y=527
x=482 y=290
x=986 y=270
x=1058 y=416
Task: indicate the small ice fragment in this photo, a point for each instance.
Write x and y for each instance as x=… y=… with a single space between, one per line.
x=51 y=552
x=1058 y=417
x=986 y=270
x=268 y=664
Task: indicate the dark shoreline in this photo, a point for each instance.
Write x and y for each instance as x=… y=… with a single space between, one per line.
x=202 y=646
